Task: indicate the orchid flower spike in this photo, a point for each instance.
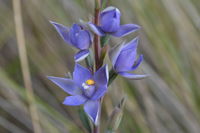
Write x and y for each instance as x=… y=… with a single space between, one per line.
x=124 y=59
x=110 y=24
x=76 y=36
x=85 y=88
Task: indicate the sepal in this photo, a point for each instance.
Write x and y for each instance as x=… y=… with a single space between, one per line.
x=62 y=30
x=126 y=29
x=81 y=55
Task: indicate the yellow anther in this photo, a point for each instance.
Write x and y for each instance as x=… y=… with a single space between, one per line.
x=90 y=82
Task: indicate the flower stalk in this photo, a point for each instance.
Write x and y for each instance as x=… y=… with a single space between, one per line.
x=97 y=50
x=96 y=37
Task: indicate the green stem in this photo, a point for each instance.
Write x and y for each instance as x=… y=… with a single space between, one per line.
x=104 y=40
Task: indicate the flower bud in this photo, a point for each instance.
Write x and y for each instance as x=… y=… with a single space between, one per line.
x=110 y=19
x=79 y=37
x=124 y=59
x=116 y=117
x=76 y=36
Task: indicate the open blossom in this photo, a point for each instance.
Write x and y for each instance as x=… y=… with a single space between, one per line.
x=110 y=24
x=124 y=59
x=76 y=36
x=86 y=88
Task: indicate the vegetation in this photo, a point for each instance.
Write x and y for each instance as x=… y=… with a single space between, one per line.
x=166 y=102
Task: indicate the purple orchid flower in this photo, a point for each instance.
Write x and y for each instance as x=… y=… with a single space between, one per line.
x=110 y=24
x=76 y=36
x=124 y=59
x=85 y=88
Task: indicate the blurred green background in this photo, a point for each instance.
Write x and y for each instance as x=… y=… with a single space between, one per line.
x=166 y=102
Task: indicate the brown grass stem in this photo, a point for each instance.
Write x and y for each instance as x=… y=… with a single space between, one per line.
x=24 y=64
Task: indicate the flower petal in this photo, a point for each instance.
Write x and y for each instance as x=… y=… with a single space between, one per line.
x=110 y=8
x=125 y=30
x=110 y=19
x=101 y=76
x=111 y=25
x=67 y=85
x=75 y=100
x=79 y=37
x=63 y=31
x=137 y=63
x=125 y=61
x=132 y=75
x=81 y=74
x=96 y=29
x=83 y=40
x=114 y=53
x=92 y=110
x=81 y=55
x=101 y=90
x=76 y=28
x=73 y=32
x=132 y=44
x=127 y=57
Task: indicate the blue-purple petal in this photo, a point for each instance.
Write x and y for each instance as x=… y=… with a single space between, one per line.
x=110 y=19
x=75 y=28
x=101 y=76
x=110 y=25
x=83 y=40
x=73 y=33
x=79 y=37
x=101 y=90
x=125 y=30
x=81 y=74
x=96 y=29
x=75 y=100
x=67 y=85
x=127 y=57
x=132 y=44
x=81 y=55
x=125 y=61
x=92 y=110
x=137 y=63
x=63 y=31
x=108 y=9
x=114 y=53
x=132 y=75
